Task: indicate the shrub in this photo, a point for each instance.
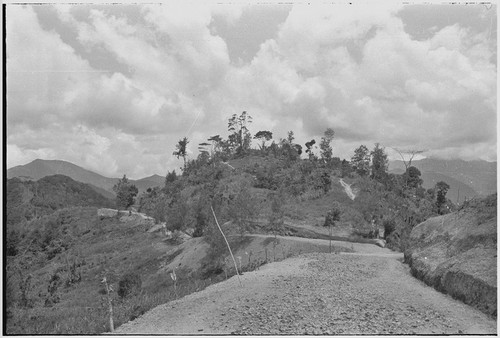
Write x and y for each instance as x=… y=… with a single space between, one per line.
x=332 y=216
x=130 y=284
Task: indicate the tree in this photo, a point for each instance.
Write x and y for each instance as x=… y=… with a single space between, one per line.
x=242 y=207
x=412 y=177
x=309 y=151
x=171 y=177
x=263 y=136
x=182 y=149
x=379 y=163
x=411 y=153
x=345 y=168
x=325 y=145
x=240 y=138
x=125 y=193
x=441 y=189
x=331 y=218
x=217 y=146
x=361 y=160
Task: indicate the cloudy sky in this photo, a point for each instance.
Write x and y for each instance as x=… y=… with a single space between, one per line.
x=112 y=88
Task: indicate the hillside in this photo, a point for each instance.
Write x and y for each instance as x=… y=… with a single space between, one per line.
x=457 y=253
x=30 y=199
x=479 y=175
x=38 y=169
x=270 y=204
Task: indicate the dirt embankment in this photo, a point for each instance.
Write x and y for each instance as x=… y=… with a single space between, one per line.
x=457 y=254
x=370 y=292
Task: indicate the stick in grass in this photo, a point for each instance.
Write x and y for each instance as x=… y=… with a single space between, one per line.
x=227 y=243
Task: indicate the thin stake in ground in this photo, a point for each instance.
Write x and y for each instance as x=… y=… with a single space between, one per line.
x=227 y=243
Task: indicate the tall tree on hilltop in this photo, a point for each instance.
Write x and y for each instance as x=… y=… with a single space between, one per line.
x=182 y=149
x=240 y=137
x=380 y=163
x=361 y=160
x=326 y=146
x=125 y=193
x=411 y=153
x=263 y=136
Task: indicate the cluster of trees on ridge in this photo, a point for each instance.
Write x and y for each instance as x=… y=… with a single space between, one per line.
x=397 y=202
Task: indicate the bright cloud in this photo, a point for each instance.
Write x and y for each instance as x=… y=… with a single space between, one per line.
x=358 y=69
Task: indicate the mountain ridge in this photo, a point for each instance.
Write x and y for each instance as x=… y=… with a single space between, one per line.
x=478 y=176
x=40 y=168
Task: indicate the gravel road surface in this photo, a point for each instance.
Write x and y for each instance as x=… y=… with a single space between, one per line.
x=369 y=292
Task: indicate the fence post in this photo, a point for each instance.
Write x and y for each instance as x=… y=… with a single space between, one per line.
x=110 y=304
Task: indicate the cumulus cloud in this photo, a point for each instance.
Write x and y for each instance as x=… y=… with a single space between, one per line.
x=353 y=68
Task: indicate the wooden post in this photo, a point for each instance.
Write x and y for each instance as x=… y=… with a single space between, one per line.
x=109 y=289
x=227 y=243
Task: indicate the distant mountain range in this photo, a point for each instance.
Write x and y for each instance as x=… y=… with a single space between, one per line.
x=466 y=178
x=38 y=169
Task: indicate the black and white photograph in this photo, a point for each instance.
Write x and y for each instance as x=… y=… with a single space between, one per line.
x=245 y=168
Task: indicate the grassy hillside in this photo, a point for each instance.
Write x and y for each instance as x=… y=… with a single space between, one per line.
x=29 y=199
x=59 y=249
x=457 y=253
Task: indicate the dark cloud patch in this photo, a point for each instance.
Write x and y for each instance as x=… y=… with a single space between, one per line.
x=256 y=25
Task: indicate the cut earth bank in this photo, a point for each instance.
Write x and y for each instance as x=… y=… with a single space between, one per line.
x=368 y=291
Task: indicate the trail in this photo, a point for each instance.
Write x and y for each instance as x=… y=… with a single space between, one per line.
x=366 y=292
x=348 y=190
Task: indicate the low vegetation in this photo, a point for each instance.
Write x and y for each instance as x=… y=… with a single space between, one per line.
x=59 y=250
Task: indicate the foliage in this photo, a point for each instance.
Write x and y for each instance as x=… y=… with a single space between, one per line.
x=380 y=164
x=441 y=189
x=171 y=177
x=412 y=177
x=129 y=284
x=263 y=136
x=125 y=193
x=181 y=149
x=333 y=215
x=325 y=145
x=240 y=137
x=361 y=160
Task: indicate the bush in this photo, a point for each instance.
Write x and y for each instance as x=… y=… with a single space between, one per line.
x=333 y=216
x=130 y=284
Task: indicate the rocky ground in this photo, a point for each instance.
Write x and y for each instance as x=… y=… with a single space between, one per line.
x=335 y=294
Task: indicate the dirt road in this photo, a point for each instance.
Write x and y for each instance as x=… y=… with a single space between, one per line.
x=369 y=292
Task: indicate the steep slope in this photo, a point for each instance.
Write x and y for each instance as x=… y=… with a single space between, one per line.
x=457 y=253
